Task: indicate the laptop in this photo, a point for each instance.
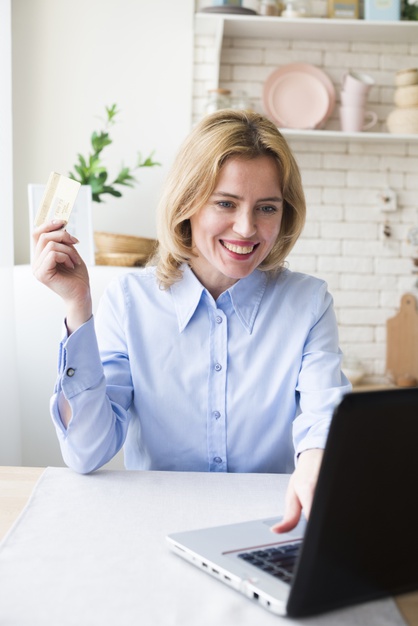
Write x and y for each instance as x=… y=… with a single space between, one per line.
x=361 y=540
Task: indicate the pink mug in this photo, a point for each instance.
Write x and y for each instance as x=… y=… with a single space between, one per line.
x=352 y=99
x=353 y=119
x=357 y=82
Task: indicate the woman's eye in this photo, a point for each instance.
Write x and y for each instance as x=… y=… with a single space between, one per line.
x=267 y=209
x=224 y=204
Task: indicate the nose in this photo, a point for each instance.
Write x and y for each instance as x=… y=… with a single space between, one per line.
x=244 y=224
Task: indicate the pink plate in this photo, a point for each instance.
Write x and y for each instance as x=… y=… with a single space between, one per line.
x=299 y=95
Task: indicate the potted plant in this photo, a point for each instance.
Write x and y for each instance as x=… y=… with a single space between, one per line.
x=409 y=10
x=91 y=170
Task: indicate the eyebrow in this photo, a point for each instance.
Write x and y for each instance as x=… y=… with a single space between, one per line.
x=226 y=194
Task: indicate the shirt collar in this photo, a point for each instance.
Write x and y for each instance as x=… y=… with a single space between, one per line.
x=246 y=295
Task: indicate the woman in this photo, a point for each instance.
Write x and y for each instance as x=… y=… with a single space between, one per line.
x=215 y=357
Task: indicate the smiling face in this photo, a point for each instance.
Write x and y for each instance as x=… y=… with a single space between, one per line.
x=239 y=224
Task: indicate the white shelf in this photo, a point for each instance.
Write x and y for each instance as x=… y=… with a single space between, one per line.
x=308 y=29
x=334 y=136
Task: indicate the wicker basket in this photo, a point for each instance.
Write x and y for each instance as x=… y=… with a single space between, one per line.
x=127 y=250
x=125 y=259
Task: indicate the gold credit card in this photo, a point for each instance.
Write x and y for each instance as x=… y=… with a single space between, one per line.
x=58 y=199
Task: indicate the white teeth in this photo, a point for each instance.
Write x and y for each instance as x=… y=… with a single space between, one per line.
x=238 y=249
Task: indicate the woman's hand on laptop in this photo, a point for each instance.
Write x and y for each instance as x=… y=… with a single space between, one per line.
x=301 y=489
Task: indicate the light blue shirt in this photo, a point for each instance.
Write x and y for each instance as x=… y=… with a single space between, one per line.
x=241 y=384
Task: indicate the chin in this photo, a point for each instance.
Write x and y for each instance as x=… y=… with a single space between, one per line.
x=237 y=274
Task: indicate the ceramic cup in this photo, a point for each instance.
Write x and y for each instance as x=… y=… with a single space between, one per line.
x=357 y=82
x=356 y=119
x=352 y=99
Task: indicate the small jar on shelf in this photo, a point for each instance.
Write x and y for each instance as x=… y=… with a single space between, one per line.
x=241 y=101
x=296 y=8
x=269 y=7
x=217 y=99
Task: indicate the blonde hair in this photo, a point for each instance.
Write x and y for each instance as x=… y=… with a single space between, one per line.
x=193 y=177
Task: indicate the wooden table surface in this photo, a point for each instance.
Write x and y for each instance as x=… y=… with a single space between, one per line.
x=17 y=483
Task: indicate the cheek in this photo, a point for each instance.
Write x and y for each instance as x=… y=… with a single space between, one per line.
x=272 y=232
x=207 y=224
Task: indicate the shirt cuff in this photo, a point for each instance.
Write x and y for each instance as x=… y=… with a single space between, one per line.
x=79 y=366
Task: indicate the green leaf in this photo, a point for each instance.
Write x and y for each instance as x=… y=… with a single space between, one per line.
x=96 y=185
x=148 y=162
x=111 y=112
x=91 y=170
x=80 y=171
x=99 y=142
x=82 y=160
x=126 y=183
x=125 y=178
x=112 y=192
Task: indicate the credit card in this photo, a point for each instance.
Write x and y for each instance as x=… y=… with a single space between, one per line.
x=58 y=200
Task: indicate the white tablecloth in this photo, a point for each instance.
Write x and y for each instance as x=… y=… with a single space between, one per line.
x=91 y=550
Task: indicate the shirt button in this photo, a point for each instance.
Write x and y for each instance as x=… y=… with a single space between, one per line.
x=218 y=367
x=218 y=319
x=217 y=459
x=216 y=415
x=70 y=372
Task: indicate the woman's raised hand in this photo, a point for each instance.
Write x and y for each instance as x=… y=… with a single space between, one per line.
x=57 y=264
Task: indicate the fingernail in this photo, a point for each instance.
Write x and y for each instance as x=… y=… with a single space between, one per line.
x=74 y=239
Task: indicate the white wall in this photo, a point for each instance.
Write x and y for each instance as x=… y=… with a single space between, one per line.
x=10 y=450
x=70 y=59
x=10 y=426
x=73 y=57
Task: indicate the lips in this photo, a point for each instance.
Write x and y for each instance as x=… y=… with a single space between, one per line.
x=239 y=248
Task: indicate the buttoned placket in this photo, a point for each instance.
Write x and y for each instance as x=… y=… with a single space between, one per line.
x=217 y=455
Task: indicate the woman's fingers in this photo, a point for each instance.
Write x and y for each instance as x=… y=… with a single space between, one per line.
x=293 y=510
x=54 y=253
x=301 y=489
x=55 y=258
x=52 y=232
x=52 y=237
x=57 y=264
x=53 y=226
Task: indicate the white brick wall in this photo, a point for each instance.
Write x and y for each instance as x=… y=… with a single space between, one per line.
x=343 y=240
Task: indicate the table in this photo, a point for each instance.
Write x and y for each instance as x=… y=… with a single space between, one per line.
x=17 y=483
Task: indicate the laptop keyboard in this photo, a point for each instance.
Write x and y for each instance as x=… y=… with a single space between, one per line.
x=278 y=561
